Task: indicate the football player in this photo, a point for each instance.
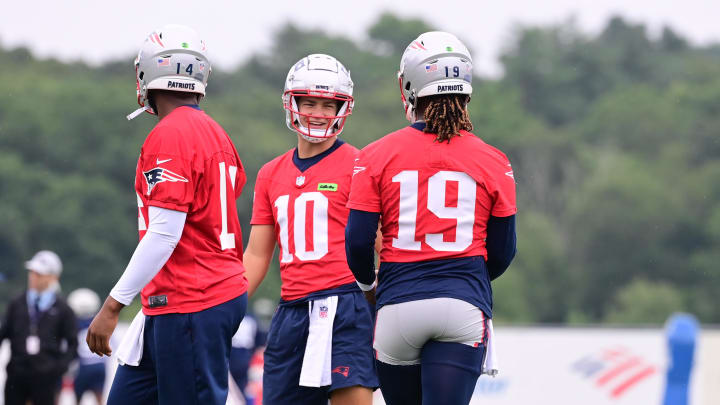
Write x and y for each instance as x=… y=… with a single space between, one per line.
x=188 y=263
x=91 y=368
x=440 y=191
x=300 y=198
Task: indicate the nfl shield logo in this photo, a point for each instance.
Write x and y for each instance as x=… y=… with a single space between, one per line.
x=323 y=311
x=300 y=181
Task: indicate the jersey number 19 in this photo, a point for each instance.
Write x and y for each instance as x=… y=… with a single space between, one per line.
x=463 y=213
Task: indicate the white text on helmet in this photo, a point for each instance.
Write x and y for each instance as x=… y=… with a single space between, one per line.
x=452 y=87
x=178 y=85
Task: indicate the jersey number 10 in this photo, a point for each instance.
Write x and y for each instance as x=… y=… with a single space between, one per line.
x=319 y=231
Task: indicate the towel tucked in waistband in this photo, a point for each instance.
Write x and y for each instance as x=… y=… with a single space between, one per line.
x=316 y=367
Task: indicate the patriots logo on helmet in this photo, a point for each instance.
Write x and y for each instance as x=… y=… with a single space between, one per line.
x=159 y=175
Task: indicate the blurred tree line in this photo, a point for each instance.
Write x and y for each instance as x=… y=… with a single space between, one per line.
x=614 y=139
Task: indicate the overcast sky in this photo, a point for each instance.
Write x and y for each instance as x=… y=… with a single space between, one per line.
x=97 y=31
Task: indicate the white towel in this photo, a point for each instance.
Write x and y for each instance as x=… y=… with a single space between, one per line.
x=318 y=351
x=235 y=394
x=130 y=350
x=490 y=366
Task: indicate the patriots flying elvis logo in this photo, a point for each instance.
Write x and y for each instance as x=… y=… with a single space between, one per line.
x=158 y=175
x=344 y=370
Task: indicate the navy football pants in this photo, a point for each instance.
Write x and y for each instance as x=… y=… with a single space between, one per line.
x=185 y=358
x=90 y=377
x=352 y=361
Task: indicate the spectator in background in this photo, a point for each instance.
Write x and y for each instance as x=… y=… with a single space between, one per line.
x=42 y=334
x=90 y=374
x=248 y=338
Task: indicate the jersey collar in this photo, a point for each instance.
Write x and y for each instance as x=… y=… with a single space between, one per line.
x=304 y=164
x=420 y=125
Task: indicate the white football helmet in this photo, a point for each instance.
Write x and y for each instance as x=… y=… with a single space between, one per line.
x=84 y=302
x=322 y=76
x=434 y=63
x=171 y=58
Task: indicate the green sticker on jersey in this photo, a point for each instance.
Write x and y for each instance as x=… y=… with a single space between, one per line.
x=327 y=187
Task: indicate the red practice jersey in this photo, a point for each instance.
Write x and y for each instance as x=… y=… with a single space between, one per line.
x=309 y=214
x=188 y=163
x=435 y=198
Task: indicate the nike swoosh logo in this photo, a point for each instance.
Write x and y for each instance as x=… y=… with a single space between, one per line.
x=162 y=161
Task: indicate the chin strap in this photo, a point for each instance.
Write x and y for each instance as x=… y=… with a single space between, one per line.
x=138 y=112
x=410 y=113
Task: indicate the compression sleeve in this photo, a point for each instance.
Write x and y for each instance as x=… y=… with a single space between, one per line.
x=360 y=233
x=501 y=244
x=152 y=252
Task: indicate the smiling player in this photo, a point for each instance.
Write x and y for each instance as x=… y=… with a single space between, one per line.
x=299 y=203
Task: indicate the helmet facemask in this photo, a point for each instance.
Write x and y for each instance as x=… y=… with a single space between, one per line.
x=409 y=103
x=317 y=133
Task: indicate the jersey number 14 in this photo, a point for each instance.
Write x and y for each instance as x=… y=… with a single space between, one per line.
x=227 y=239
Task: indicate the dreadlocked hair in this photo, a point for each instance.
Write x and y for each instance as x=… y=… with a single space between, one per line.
x=445 y=115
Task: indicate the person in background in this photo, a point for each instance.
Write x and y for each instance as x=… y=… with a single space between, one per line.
x=42 y=333
x=248 y=338
x=90 y=375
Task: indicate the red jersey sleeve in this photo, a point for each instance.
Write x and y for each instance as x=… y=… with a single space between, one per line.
x=364 y=188
x=262 y=212
x=502 y=189
x=167 y=168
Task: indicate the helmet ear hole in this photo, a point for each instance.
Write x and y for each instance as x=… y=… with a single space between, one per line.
x=407 y=86
x=140 y=76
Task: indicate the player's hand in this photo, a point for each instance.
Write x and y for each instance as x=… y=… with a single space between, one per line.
x=102 y=327
x=370 y=296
